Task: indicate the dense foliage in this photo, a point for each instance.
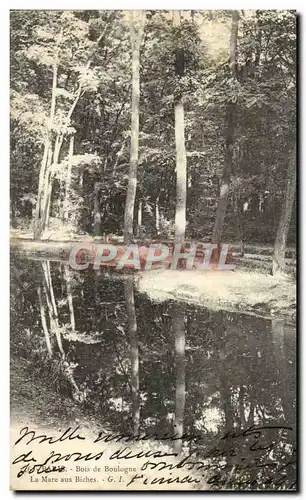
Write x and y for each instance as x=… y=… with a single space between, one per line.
x=90 y=124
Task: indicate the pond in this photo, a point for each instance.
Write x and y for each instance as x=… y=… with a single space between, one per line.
x=140 y=366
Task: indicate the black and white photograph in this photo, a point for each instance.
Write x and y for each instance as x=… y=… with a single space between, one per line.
x=153 y=250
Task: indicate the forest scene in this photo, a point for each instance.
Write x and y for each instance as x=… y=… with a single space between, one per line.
x=163 y=127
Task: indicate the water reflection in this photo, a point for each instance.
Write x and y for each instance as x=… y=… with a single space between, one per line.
x=133 y=341
x=178 y=326
x=156 y=367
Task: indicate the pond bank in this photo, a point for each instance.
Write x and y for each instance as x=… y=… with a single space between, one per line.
x=237 y=290
x=243 y=292
x=255 y=256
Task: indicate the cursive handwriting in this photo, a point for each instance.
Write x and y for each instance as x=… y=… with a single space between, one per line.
x=236 y=459
x=163 y=480
x=126 y=437
x=126 y=454
x=69 y=434
x=252 y=458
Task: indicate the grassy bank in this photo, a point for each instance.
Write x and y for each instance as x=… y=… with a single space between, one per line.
x=247 y=292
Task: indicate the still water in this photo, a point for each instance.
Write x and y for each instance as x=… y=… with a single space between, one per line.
x=143 y=366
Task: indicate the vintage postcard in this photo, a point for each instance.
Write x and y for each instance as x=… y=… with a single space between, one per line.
x=153 y=250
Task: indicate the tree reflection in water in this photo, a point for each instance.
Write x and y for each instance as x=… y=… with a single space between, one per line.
x=178 y=326
x=133 y=340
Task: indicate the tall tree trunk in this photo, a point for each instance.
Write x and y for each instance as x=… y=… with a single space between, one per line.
x=136 y=31
x=139 y=219
x=45 y=183
x=56 y=156
x=157 y=216
x=239 y=222
x=68 y=180
x=230 y=122
x=181 y=160
x=43 y=167
x=49 y=177
x=37 y=221
x=133 y=339
x=47 y=201
x=97 y=214
x=178 y=328
x=278 y=266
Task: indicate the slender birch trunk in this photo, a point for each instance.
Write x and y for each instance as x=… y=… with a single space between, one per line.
x=230 y=121
x=48 y=184
x=139 y=219
x=181 y=160
x=45 y=183
x=137 y=20
x=97 y=214
x=157 y=216
x=239 y=222
x=68 y=181
x=49 y=176
x=44 y=163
